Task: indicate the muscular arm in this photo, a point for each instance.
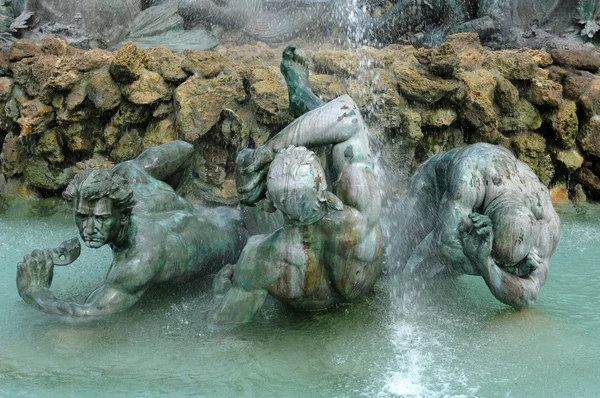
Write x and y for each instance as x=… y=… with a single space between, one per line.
x=164 y=161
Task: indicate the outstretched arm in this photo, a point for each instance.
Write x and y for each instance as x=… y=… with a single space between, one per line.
x=34 y=277
x=164 y=161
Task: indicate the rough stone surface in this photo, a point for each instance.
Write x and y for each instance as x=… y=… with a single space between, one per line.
x=422 y=88
x=204 y=63
x=6 y=86
x=148 y=89
x=531 y=148
x=199 y=103
x=129 y=146
x=164 y=62
x=36 y=117
x=12 y=156
x=103 y=91
x=128 y=64
x=570 y=159
x=22 y=49
x=478 y=106
x=159 y=132
x=565 y=123
x=590 y=182
x=589 y=136
x=49 y=147
x=524 y=117
x=579 y=59
x=505 y=94
x=512 y=64
x=40 y=174
x=439 y=117
x=545 y=92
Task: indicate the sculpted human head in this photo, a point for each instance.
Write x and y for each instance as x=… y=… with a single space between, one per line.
x=102 y=204
x=514 y=228
x=296 y=184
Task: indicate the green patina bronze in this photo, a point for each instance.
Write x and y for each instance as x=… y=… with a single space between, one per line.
x=155 y=235
x=329 y=249
x=479 y=211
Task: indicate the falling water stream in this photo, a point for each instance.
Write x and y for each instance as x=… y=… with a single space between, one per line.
x=454 y=339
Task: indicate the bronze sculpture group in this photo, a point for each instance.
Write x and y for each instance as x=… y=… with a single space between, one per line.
x=475 y=210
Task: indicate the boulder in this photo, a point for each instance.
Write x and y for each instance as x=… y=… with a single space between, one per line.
x=128 y=64
x=130 y=113
x=523 y=117
x=199 y=103
x=422 y=88
x=565 y=123
x=13 y=156
x=478 y=106
x=164 y=62
x=569 y=159
x=81 y=136
x=33 y=73
x=204 y=63
x=159 y=132
x=576 y=84
x=36 y=117
x=468 y=49
x=590 y=182
x=440 y=61
x=49 y=147
x=103 y=91
x=6 y=87
x=541 y=57
x=506 y=94
x=578 y=59
x=271 y=100
x=148 y=89
x=94 y=59
x=590 y=100
x=40 y=174
x=589 y=136
x=129 y=146
x=512 y=64
x=24 y=48
x=530 y=148
x=439 y=117
x=545 y=92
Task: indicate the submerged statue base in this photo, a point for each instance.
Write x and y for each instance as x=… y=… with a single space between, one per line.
x=479 y=211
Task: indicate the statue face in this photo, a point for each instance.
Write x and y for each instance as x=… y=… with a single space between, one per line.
x=99 y=222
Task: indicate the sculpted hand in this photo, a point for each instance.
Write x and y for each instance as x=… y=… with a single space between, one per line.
x=477 y=242
x=36 y=269
x=251 y=171
x=531 y=263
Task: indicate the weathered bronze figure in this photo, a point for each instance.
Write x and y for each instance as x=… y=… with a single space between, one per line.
x=156 y=236
x=478 y=211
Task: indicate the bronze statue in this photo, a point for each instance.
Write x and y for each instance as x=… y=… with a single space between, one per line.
x=478 y=210
x=155 y=235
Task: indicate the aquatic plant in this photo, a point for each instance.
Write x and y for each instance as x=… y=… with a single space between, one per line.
x=589 y=14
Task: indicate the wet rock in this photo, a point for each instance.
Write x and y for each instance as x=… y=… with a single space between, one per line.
x=94 y=59
x=506 y=94
x=438 y=141
x=55 y=46
x=13 y=156
x=159 y=132
x=4 y=64
x=271 y=101
x=590 y=100
x=339 y=63
x=103 y=91
x=33 y=73
x=40 y=174
x=468 y=49
x=77 y=95
x=478 y=106
x=164 y=62
x=24 y=48
x=590 y=182
x=579 y=195
x=541 y=57
x=557 y=74
x=96 y=162
x=439 y=117
x=148 y=89
x=559 y=193
x=129 y=146
x=545 y=92
x=440 y=61
x=36 y=117
x=14 y=103
x=81 y=136
x=64 y=76
x=565 y=123
x=199 y=103
x=589 y=136
x=524 y=117
x=6 y=87
x=576 y=84
x=130 y=113
x=512 y=64
x=49 y=147
x=531 y=148
x=128 y=64
x=204 y=63
x=163 y=110
x=422 y=88
x=327 y=87
x=570 y=159
x=578 y=59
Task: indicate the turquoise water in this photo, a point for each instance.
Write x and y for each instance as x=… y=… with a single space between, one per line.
x=454 y=340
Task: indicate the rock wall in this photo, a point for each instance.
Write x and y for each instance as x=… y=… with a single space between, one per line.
x=63 y=110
